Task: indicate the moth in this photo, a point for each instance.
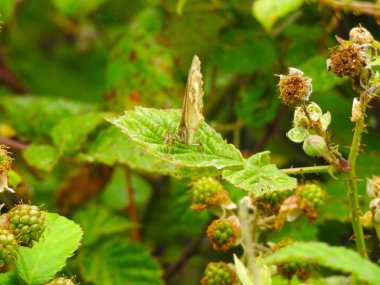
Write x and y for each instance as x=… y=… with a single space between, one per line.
x=192 y=107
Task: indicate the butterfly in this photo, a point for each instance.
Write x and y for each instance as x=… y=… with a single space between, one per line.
x=192 y=107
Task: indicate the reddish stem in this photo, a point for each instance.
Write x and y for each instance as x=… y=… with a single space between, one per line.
x=132 y=210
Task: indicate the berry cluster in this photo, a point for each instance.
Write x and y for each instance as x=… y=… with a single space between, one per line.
x=270 y=202
x=207 y=192
x=312 y=197
x=27 y=223
x=22 y=225
x=289 y=269
x=8 y=247
x=219 y=273
x=223 y=234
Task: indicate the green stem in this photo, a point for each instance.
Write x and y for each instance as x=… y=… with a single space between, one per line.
x=310 y=169
x=353 y=188
x=247 y=240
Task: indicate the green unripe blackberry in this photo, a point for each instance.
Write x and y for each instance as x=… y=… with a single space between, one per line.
x=270 y=202
x=312 y=193
x=294 y=268
x=207 y=192
x=223 y=233
x=27 y=223
x=61 y=281
x=8 y=247
x=219 y=273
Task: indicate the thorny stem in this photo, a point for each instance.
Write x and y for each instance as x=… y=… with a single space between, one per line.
x=352 y=180
x=132 y=206
x=310 y=169
x=358 y=7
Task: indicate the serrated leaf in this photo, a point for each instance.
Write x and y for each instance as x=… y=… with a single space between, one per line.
x=156 y=130
x=111 y=147
x=259 y=177
x=333 y=257
x=297 y=134
x=70 y=133
x=267 y=12
x=259 y=159
x=42 y=157
x=96 y=222
x=118 y=262
x=40 y=263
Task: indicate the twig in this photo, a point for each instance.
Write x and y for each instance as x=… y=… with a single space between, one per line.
x=13 y=143
x=354 y=6
x=132 y=206
x=189 y=251
x=310 y=169
x=9 y=79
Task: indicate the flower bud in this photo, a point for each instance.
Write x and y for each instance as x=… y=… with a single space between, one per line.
x=314 y=146
x=357 y=112
x=360 y=36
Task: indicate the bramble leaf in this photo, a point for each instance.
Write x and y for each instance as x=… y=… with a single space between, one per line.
x=40 y=263
x=9 y=278
x=111 y=146
x=258 y=176
x=333 y=257
x=96 y=221
x=70 y=133
x=119 y=262
x=156 y=130
x=267 y=12
x=42 y=157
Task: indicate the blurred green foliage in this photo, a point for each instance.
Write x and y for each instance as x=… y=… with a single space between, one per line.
x=65 y=65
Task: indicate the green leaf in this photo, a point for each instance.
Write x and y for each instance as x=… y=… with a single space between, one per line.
x=77 y=8
x=71 y=133
x=242 y=272
x=267 y=12
x=42 y=157
x=297 y=134
x=245 y=51
x=9 y=278
x=97 y=222
x=255 y=106
x=40 y=263
x=258 y=176
x=111 y=146
x=116 y=261
x=156 y=131
x=7 y=8
x=36 y=116
x=333 y=257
